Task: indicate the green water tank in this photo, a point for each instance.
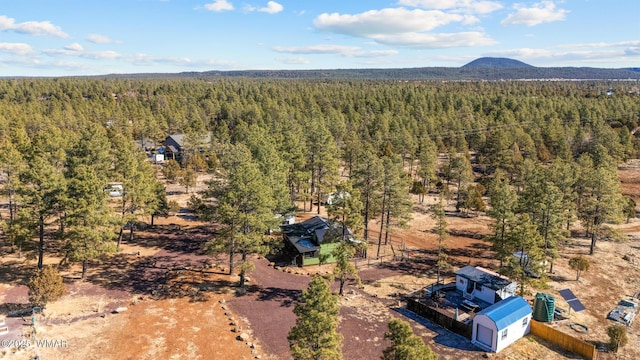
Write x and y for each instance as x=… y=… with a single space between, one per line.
x=543 y=307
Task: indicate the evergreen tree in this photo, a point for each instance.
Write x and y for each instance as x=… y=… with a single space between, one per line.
x=459 y=170
x=138 y=181
x=323 y=161
x=13 y=164
x=171 y=170
x=600 y=197
x=346 y=208
x=503 y=201
x=344 y=269
x=440 y=217
x=244 y=209
x=188 y=179
x=90 y=234
x=524 y=237
x=43 y=193
x=543 y=201
x=396 y=204
x=427 y=160
x=368 y=180
x=405 y=344
x=315 y=335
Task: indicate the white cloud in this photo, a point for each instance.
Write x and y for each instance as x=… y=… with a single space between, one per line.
x=436 y=41
x=37 y=28
x=372 y=54
x=272 y=8
x=623 y=52
x=542 y=12
x=100 y=39
x=100 y=55
x=74 y=47
x=346 y=51
x=219 y=5
x=632 y=51
x=316 y=49
x=467 y=6
x=16 y=48
x=404 y=28
x=297 y=60
x=386 y=21
x=77 y=50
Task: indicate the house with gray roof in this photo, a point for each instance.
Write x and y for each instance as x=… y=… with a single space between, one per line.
x=317 y=237
x=175 y=144
x=477 y=283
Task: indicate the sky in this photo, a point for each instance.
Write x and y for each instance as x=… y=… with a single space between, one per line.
x=95 y=37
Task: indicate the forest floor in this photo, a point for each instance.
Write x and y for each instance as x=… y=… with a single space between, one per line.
x=181 y=303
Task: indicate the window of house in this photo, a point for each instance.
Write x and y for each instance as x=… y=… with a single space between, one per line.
x=504 y=334
x=525 y=321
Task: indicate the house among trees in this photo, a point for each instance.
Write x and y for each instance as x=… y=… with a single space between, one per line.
x=502 y=323
x=313 y=240
x=176 y=144
x=477 y=283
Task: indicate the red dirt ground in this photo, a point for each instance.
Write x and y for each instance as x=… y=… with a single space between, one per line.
x=181 y=304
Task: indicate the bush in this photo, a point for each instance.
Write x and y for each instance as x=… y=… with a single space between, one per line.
x=45 y=286
x=617 y=337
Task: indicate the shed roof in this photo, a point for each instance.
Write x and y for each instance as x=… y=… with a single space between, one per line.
x=484 y=277
x=507 y=311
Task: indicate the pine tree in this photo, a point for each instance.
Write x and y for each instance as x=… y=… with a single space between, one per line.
x=524 y=237
x=13 y=164
x=346 y=208
x=427 y=160
x=344 y=269
x=91 y=221
x=323 y=161
x=396 y=204
x=459 y=170
x=44 y=190
x=368 y=180
x=543 y=201
x=315 y=335
x=600 y=197
x=244 y=209
x=171 y=170
x=440 y=217
x=503 y=201
x=405 y=344
x=188 y=178
x=138 y=181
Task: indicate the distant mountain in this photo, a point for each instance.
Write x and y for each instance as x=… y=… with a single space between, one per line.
x=485 y=68
x=502 y=63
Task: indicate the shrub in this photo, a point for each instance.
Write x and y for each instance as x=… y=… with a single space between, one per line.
x=617 y=337
x=45 y=286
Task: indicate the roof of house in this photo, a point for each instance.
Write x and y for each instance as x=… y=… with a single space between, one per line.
x=307 y=235
x=508 y=311
x=179 y=139
x=483 y=276
x=306 y=227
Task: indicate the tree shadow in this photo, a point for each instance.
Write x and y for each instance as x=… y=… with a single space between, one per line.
x=443 y=336
x=286 y=297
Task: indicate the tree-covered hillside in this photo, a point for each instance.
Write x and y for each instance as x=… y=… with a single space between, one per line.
x=66 y=139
